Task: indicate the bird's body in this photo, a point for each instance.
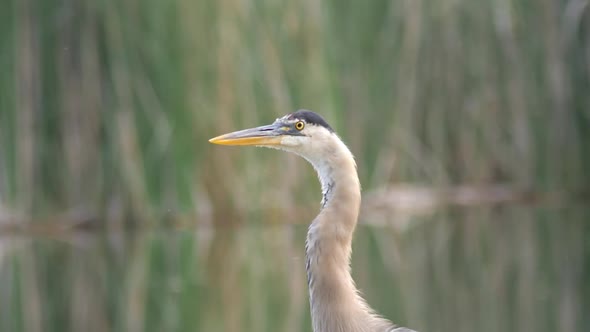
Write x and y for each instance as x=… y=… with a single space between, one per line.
x=335 y=303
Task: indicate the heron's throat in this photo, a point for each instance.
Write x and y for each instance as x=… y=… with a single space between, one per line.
x=328 y=246
x=327 y=192
x=340 y=186
x=334 y=226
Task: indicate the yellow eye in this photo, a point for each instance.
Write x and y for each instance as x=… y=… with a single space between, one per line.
x=299 y=125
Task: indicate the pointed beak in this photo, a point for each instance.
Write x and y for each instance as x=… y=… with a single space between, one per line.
x=269 y=135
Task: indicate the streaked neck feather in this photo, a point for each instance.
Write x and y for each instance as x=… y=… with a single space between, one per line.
x=336 y=305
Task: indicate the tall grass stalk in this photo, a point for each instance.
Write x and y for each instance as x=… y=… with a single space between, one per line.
x=106 y=106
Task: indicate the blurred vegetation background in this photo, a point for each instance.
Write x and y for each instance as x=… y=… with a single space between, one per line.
x=106 y=107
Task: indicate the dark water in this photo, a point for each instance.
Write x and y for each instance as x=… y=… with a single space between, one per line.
x=482 y=269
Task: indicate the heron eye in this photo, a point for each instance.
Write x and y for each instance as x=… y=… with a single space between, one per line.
x=299 y=125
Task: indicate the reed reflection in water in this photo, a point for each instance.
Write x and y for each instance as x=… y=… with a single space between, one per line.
x=506 y=268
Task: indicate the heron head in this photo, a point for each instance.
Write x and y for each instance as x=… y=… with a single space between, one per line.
x=301 y=132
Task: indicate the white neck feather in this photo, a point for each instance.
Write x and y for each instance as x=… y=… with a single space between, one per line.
x=335 y=303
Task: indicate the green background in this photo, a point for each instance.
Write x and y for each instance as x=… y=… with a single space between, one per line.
x=116 y=214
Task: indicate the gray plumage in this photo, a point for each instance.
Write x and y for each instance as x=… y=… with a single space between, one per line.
x=335 y=303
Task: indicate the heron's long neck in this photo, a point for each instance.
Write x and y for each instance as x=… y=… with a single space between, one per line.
x=335 y=303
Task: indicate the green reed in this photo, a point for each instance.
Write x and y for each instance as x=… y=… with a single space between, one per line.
x=106 y=106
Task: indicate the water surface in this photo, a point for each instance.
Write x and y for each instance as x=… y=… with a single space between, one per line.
x=506 y=268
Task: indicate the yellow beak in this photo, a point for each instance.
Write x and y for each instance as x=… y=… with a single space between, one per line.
x=262 y=136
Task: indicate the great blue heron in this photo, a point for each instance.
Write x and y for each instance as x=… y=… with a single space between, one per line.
x=335 y=303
